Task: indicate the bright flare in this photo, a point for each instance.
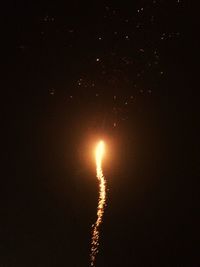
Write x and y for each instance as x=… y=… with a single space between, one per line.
x=100 y=150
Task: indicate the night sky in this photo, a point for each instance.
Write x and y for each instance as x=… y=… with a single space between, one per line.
x=74 y=73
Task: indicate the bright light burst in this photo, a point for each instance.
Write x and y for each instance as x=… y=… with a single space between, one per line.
x=100 y=150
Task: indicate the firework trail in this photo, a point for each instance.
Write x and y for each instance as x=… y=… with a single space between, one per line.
x=101 y=203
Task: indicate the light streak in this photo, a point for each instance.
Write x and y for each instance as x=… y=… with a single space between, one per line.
x=100 y=150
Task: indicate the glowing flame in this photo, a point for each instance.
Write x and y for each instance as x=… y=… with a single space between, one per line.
x=100 y=150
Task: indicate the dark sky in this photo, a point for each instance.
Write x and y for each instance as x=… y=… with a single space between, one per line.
x=76 y=72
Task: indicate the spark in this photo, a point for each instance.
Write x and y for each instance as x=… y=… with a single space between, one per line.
x=100 y=150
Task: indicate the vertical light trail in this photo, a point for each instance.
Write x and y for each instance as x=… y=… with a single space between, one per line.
x=100 y=149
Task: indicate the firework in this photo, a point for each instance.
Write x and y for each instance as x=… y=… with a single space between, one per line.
x=100 y=149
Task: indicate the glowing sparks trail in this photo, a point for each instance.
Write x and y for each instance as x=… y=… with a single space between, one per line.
x=102 y=201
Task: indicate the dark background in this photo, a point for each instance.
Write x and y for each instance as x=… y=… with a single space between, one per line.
x=72 y=70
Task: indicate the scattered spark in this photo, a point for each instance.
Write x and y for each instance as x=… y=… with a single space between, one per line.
x=48 y=19
x=52 y=91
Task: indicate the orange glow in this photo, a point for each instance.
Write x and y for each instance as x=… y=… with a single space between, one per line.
x=100 y=151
